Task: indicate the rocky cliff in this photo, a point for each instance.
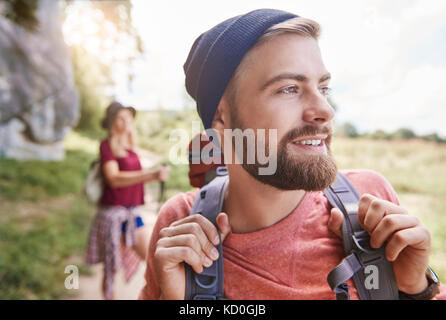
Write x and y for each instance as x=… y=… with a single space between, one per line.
x=38 y=100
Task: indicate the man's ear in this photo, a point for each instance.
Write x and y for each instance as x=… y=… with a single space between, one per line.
x=220 y=122
x=221 y=117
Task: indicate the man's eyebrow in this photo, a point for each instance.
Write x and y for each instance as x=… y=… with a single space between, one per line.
x=325 y=77
x=293 y=76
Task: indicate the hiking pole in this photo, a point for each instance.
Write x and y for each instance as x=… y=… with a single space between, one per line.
x=161 y=193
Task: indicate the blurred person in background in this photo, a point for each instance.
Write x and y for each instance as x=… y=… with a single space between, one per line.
x=118 y=235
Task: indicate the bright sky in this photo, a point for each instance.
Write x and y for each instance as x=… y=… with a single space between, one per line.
x=387 y=58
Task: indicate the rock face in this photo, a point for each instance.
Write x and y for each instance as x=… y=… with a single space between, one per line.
x=38 y=100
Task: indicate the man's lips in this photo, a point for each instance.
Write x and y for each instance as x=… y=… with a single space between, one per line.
x=311 y=140
x=313 y=143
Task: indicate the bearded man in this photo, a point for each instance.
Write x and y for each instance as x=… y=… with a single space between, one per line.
x=263 y=70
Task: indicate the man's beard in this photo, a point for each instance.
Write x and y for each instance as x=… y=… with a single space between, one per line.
x=307 y=171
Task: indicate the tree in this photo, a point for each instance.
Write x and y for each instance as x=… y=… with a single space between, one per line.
x=22 y=12
x=108 y=25
x=90 y=78
x=404 y=133
x=433 y=137
x=380 y=134
x=349 y=130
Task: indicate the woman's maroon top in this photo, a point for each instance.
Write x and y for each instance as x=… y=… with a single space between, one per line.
x=126 y=196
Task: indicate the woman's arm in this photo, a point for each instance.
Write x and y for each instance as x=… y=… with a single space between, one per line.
x=116 y=178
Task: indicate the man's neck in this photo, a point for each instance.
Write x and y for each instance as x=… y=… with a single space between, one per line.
x=252 y=205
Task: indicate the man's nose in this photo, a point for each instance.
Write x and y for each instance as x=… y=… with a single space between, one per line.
x=318 y=111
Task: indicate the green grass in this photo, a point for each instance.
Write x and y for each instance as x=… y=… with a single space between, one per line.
x=34 y=254
x=411 y=166
x=37 y=181
x=430 y=210
x=44 y=222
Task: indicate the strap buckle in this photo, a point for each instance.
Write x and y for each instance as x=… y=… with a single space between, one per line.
x=361 y=239
x=365 y=253
x=205 y=281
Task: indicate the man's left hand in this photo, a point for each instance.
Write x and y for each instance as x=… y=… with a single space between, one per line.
x=406 y=241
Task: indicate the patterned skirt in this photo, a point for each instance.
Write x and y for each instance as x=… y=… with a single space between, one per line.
x=104 y=243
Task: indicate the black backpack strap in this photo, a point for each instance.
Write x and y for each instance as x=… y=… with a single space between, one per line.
x=361 y=258
x=208 y=285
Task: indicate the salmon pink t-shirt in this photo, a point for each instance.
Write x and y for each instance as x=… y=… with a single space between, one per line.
x=288 y=260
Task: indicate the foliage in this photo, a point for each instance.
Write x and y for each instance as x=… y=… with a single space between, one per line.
x=94 y=69
x=90 y=76
x=379 y=135
x=22 y=12
x=155 y=128
x=404 y=133
x=119 y=13
x=434 y=137
x=347 y=130
x=37 y=181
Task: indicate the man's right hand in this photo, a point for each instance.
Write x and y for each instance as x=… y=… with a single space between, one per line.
x=191 y=240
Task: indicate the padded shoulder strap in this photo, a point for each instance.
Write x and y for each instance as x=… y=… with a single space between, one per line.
x=208 y=285
x=372 y=273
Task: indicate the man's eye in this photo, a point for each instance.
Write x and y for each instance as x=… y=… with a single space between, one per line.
x=289 y=90
x=326 y=91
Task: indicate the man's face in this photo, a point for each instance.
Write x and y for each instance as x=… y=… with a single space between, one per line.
x=283 y=85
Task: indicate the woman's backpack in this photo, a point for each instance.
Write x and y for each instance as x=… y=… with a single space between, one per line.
x=94 y=185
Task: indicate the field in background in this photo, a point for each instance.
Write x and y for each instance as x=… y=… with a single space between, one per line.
x=417 y=171
x=44 y=218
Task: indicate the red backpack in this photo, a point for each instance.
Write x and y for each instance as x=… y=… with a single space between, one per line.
x=201 y=173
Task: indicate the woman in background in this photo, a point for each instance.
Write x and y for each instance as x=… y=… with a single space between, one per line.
x=118 y=235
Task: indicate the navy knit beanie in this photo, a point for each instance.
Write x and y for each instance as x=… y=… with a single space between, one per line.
x=216 y=54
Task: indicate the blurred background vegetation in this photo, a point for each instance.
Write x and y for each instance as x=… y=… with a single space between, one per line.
x=45 y=218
